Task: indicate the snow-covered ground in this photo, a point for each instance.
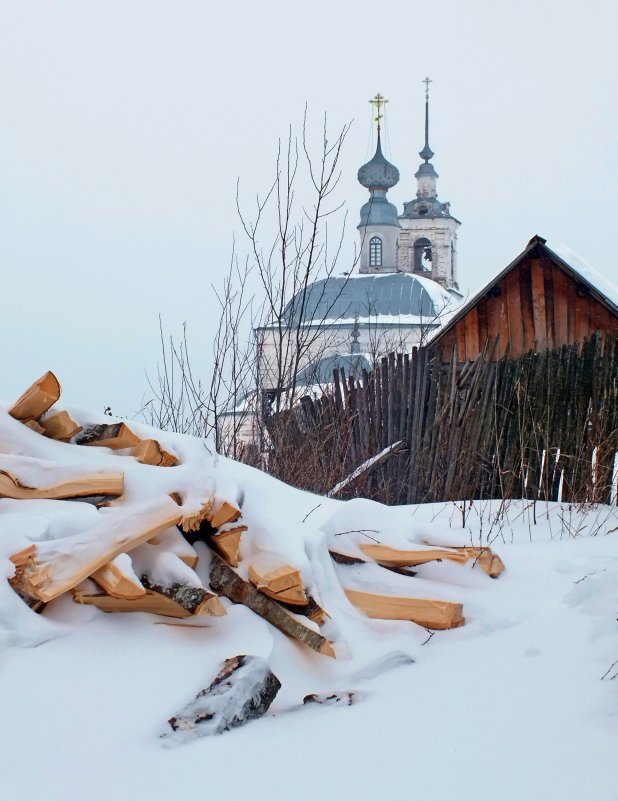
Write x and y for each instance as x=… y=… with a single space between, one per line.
x=513 y=706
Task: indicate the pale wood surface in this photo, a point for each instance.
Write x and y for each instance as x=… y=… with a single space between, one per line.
x=100 y=484
x=152 y=602
x=117 y=582
x=34 y=426
x=393 y=557
x=37 y=399
x=193 y=520
x=227 y=544
x=429 y=613
x=226 y=513
x=149 y=451
x=60 y=565
x=282 y=584
x=60 y=426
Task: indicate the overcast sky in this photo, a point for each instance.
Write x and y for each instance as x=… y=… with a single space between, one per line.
x=125 y=125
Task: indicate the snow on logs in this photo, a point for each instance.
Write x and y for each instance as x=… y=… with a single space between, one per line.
x=138 y=555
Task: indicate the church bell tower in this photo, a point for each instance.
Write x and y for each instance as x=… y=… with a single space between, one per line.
x=428 y=236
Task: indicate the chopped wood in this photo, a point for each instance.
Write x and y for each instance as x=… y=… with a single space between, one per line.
x=243 y=690
x=192 y=521
x=226 y=513
x=393 y=557
x=37 y=399
x=429 y=613
x=60 y=426
x=484 y=557
x=152 y=602
x=59 y=565
x=346 y=559
x=225 y=581
x=227 y=544
x=311 y=609
x=194 y=600
x=32 y=424
x=148 y=451
x=97 y=484
x=115 y=435
x=118 y=580
x=173 y=541
x=283 y=584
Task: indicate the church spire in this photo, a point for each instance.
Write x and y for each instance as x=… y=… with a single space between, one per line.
x=426 y=153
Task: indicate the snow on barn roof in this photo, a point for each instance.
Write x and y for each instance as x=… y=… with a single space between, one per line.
x=391 y=297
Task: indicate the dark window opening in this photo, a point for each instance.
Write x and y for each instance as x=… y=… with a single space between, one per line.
x=422 y=256
x=375 y=251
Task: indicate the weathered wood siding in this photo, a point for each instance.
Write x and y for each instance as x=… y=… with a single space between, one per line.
x=536 y=306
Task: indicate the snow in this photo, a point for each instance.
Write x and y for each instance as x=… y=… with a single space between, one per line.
x=511 y=706
x=587 y=271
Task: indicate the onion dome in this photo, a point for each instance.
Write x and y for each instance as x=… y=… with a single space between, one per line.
x=378 y=173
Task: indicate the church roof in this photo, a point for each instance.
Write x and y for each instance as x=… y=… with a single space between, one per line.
x=378 y=173
x=389 y=298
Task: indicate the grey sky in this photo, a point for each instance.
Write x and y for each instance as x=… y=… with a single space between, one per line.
x=125 y=126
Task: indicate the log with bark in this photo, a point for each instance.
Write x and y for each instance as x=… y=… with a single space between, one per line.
x=151 y=602
x=243 y=690
x=37 y=399
x=115 y=436
x=225 y=581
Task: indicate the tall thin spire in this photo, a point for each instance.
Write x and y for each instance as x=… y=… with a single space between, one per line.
x=426 y=153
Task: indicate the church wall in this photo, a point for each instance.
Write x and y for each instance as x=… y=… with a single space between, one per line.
x=388 y=235
x=442 y=233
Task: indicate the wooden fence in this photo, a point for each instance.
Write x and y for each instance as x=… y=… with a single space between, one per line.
x=541 y=426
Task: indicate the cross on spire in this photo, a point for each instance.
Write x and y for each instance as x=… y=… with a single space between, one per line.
x=426 y=81
x=379 y=102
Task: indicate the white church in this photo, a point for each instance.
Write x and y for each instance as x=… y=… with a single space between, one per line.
x=406 y=282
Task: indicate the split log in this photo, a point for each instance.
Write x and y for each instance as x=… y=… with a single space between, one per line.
x=429 y=613
x=393 y=557
x=115 y=436
x=151 y=602
x=486 y=559
x=227 y=582
x=192 y=521
x=56 y=566
x=118 y=579
x=227 y=544
x=283 y=584
x=243 y=690
x=100 y=483
x=60 y=426
x=148 y=451
x=37 y=399
x=173 y=541
x=226 y=513
x=194 y=600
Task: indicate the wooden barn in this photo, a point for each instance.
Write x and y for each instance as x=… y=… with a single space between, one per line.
x=538 y=302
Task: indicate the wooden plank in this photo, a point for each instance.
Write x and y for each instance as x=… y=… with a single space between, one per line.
x=60 y=426
x=37 y=399
x=549 y=304
x=538 y=304
x=525 y=299
x=504 y=342
x=582 y=325
x=561 y=330
x=429 y=613
x=152 y=602
x=225 y=513
x=227 y=544
x=59 y=565
x=514 y=314
x=225 y=581
x=460 y=340
x=471 y=333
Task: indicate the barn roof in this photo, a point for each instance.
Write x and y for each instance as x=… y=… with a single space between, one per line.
x=597 y=285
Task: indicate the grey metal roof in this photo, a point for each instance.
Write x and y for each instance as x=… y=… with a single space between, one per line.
x=393 y=294
x=378 y=211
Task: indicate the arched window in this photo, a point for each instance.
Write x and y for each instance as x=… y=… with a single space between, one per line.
x=422 y=256
x=375 y=251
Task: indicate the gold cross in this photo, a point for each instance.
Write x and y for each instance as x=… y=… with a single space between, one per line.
x=379 y=102
x=426 y=81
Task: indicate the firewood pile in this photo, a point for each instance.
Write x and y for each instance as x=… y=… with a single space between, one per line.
x=139 y=504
